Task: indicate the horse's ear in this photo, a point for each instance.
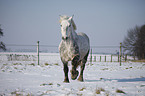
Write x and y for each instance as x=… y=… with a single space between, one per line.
x=70 y=18
x=60 y=18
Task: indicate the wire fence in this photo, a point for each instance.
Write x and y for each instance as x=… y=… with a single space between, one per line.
x=49 y=53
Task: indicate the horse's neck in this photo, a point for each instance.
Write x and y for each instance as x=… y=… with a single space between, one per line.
x=74 y=35
x=72 y=39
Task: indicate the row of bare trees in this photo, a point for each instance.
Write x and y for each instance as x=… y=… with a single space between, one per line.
x=134 y=42
x=2 y=45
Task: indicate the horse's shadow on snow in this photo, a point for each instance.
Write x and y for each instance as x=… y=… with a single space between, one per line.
x=119 y=80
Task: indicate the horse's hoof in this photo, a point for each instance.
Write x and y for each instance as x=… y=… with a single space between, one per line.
x=66 y=81
x=74 y=75
x=80 y=79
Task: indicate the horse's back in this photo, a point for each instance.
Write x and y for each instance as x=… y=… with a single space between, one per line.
x=83 y=43
x=83 y=35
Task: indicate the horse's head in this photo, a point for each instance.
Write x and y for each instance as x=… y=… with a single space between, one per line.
x=66 y=26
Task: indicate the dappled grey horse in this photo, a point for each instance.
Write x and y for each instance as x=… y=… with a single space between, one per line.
x=73 y=47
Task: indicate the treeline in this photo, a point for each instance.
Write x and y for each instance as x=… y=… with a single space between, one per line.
x=2 y=45
x=134 y=42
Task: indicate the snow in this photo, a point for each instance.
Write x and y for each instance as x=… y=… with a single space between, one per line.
x=25 y=77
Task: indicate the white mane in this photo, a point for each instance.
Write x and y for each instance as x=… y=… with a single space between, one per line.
x=64 y=17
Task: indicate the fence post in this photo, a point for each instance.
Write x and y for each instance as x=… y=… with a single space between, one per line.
x=91 y=57
x=125 y=57
x=120 y=53
x=118 y=57
x=134 y=56
x=105 y=58
x=94 y=58
x=100 y=58
x=38 y=52
x=111 y=58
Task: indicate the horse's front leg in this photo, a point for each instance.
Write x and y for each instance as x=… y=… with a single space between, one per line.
x=74 y=72
x=65 y=69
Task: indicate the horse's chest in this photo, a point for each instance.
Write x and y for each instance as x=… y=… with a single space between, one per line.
x=67 y=52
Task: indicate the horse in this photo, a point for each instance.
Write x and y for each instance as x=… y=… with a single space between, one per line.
x=73 y=47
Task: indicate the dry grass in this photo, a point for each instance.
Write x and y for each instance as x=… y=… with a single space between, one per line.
x=82 y=89
x=98 y=90
x=120 y=91
x=143 y=60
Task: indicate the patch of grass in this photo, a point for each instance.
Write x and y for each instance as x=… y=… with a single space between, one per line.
x=20 y=93
x=11 y=71
x=32 y=64
x=44 y=84
x=101 y=78
x=5 y=64
x=98 y=90
x=143 y=60
x=15 y=68
x=79 y=94
x=58 y=85
x=120 y=91
x=82 y=89
x=56 y=64
x=91 y=64
x=16 y=93
x=17 y=64
x=102 y=89
x=50 y=84
x=105 y=69
x=46 y=64
x=128 y=68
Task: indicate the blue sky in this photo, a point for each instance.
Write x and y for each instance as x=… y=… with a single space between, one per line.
x=105 y=21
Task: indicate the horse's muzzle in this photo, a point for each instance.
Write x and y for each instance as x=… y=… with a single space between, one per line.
x=64 y=38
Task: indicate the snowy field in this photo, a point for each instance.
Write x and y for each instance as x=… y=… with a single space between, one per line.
x=21 y=76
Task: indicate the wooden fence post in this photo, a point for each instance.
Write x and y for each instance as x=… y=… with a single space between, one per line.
x=105 y=58
x=91 y=57
x=125 y=57
x=120 y=53
x=118 y=57
x=38 y=52
x=94 y=58
x=111 y=58
x=100 y=58
x=134 y=56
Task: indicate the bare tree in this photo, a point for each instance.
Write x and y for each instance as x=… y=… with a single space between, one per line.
x=2 y=45
x=134 y=42
x=140 y=46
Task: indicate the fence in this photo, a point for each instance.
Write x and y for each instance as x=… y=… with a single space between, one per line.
x=37 y=54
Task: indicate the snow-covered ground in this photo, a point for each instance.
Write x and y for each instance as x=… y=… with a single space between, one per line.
x=23 y=77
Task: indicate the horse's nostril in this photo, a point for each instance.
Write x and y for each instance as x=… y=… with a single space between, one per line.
x=64 y=38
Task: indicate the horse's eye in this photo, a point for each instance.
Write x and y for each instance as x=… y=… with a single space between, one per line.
x=69 y=25
x=61 y=25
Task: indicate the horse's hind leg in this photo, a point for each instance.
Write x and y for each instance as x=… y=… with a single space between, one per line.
x=65 y=69
x=83 y=62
